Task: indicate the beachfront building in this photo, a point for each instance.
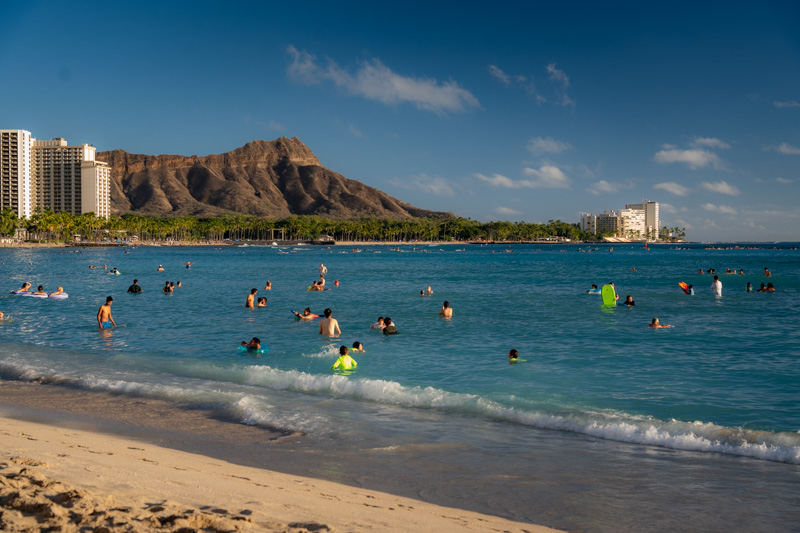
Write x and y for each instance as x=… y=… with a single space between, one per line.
x=17 y=187
x=632 y=223
x=652 y=220
x=589 y=223
x=609 y=223
x=54 y=176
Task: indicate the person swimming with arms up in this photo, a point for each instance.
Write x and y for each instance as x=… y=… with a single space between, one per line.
x=344 y=362
x=655 y=324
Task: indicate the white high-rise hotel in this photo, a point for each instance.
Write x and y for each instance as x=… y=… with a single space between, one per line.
x=51 y=175
x=636 y=221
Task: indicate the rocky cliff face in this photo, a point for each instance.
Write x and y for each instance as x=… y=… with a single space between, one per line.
x=266 y=178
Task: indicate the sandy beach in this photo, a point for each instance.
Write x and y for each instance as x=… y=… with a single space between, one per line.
x=58 y=476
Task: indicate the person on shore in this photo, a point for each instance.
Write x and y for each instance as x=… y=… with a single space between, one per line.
x=716 y=287
x=655 y=324
x=344 y=362
x=357 y=347
x=767 y=273
x=770 y=288
x=160 y=269
x=167 y=288
x=254 y=344
x=268 y=286
x=322 y=270
x=389 y=327
x=59 y=290
x=329 y=326
x=262 y=302
x=104 y=318
x=513 y=355
x=447 y=311
x=377 y=325
x=40 y=291
x=629 y=301
x=135 y=288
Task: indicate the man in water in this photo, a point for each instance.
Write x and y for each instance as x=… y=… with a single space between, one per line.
x=160 y=269
x=447 y=311
x=254 y=344
x=616 y=296
x=135 y=288
x=322 y=270
x=655 y=324
x=629 y=301
x=767 y=273
x=329 y=326
x=250 y=303
x=716 y=287
x=104 y=318
x=389 y=327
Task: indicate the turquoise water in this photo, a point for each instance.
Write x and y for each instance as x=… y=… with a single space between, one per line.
x=724 y=380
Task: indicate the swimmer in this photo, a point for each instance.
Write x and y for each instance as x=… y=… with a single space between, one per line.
x=763 y=288
x=307 y=314
x=357 y=347
x=40 y=291
x=188 y=264
x=741 y=272
x=447 y=311
x=691 y=290
x=104 y=318
x=655 y=324
x=749 y=287
x=429 y=290
x=701 y=271
x=180 y=284
x=251 y=299
x=378 y=325
x=254 y=344
x=388 y=327
x=770 y=288
x=633 y=269
x=268 y=286
x=336 y=283
x=59 y=290
x=321 y=282
x=616 y=296
x=629 y=301
x=2 y=316
x=344 y=362
x=767 y=273
x=160 y=269
x=593 y=289
x=422 y=292
x=171 y=286
x=262 y=302
x=322 y=270
x=25 y=287
x=167 y=288
x=513 y=355
x=328 y=325
x=135 y=288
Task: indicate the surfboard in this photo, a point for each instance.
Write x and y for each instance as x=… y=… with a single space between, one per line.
x=609 y=296
x=684 y=286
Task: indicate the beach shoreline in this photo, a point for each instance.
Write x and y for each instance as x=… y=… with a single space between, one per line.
x=72 y=467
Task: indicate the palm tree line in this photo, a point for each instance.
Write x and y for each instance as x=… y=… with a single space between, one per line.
x=47 y=226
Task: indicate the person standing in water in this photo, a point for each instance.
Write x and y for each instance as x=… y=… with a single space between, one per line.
x=329 y=326
x=104 y=318
x=716 y=287
x=251 y=299
x=447 y=311
x=344 y=362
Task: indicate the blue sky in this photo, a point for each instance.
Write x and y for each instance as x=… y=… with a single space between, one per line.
x=505 y=111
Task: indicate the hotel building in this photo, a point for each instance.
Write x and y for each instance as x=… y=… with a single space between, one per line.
x=636 y=221
x=52 y=175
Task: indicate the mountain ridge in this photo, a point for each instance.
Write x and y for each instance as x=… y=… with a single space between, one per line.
x=278 y=178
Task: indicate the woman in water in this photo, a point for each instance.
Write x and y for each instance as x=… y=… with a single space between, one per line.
x=655 y=324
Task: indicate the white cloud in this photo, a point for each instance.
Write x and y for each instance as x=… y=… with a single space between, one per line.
x=507 y=211
x=667 y=208
x=558 y=75
x=546 y=177
x=721 y=187
x=694 y=158
x=355 y=131
x=791 y=103
x=501 y=76
x=683 y=224
x=710 y=142
x=435 y=185
x=788 y=149
x=783 y=180
x=547 y=145
x=671 y=187
x=375 y=81
x=603 y=186
x=725 y=209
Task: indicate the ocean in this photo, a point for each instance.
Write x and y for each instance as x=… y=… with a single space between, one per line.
x=605 y=424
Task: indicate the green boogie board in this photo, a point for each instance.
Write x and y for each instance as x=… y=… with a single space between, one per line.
x=609 y=296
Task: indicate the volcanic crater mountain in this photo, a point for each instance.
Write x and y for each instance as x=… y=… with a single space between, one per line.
x=276 y=179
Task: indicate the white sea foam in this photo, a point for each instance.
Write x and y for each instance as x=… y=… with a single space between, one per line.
x=251 y=409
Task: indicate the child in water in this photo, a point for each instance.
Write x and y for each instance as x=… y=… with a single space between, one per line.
x=345 y=362
x=513 y=355
x=358 y=347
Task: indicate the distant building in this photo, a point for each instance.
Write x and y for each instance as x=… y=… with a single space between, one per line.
x=609 y=223
x=589 y=223
x=57 y=176
x=636 y=221
x=633 y=226
x=652 y=220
